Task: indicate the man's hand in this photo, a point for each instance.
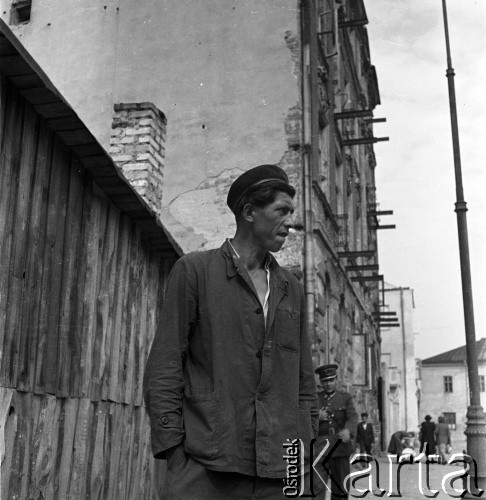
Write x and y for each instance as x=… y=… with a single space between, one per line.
x=345 y=435
x=324 y=414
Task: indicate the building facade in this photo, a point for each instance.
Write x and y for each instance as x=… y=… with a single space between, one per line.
x=244 y=83
x=401 y=384
x=445 y=389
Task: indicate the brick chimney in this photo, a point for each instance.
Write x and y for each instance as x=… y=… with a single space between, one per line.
x=137 y=147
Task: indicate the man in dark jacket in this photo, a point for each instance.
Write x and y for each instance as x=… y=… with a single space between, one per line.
x=337 y=422
x=229 y=378
x=365 y=436
x=427 y=436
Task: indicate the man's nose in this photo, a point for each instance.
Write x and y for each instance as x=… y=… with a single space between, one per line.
x=289 y=220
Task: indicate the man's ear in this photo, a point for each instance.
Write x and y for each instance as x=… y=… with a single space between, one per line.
x=247 y=212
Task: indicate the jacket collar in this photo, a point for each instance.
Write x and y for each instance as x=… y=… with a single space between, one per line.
x=233 y=262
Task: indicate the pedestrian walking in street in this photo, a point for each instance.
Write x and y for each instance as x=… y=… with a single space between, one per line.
x=443 y=438
x=399 y=441
x=365 y=435
x=427 y=436
x=229 y=378
x=337 y=421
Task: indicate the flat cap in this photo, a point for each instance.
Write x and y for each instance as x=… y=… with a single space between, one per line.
x=263 y=174
x=327 y=372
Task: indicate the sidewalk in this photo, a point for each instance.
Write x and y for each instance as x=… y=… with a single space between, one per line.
x=410 y=481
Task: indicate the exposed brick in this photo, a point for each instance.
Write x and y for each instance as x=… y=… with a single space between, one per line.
x=127 y=140
x=137 y=146
x=136 y=174
x=138 y=131
x=135 y=166
x=147 y=139
x=144 y=122
x=122 y=158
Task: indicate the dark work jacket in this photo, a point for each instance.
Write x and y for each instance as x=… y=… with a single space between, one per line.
x=427 y=434
x=365 y=436
x=217 y=380
x=344 y=416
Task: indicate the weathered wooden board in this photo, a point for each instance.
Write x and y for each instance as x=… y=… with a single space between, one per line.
x=73 y=448
x=80 y=288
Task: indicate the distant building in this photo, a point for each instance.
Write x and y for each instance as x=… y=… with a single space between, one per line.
x=399 y=372
x=445 y=389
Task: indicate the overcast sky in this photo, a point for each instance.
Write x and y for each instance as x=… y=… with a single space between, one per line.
x=415 y=169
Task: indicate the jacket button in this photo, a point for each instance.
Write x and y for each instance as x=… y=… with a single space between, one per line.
x=164 y=420
x=259 y=310
x=259 y=354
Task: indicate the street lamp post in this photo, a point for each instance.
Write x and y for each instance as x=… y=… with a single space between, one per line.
x=476 y=423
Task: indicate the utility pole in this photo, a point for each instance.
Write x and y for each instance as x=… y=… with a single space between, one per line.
x=476 y=422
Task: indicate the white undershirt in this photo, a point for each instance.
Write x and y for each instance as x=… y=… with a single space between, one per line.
x=267 y=270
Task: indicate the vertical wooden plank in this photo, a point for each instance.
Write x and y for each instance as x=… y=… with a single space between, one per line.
x=60 y=190
x=141 y=334
x=66 y=447
x=95 y=477
x=20 y=235
x=115 y=452
x=77 y=487
x=76 y=338
x=111 y=289
x=30 y=416
x=127 y=354
x=124 y=432
x=9 y=160
x=30 y=316
x=121 y=292
x=46 y=370
x=93 y=243
x=72 y=255
x=17 y=450
x=8 y=426
x=104 y=302
x=107 y=450
x=44 y=457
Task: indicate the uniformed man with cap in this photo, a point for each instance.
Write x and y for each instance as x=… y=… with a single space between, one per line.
x=337 y=421
x=229 y=379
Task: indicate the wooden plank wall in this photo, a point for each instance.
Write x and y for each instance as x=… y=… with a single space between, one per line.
x=79 y=294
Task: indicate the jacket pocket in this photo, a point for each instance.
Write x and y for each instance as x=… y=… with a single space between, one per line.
x=287 y=328
x=201 y=425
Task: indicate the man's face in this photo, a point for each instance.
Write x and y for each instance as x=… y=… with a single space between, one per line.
x=364 y=419
x=328 y=385
x=271 y=224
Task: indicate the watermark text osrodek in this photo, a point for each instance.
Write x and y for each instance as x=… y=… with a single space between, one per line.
x=455 y=484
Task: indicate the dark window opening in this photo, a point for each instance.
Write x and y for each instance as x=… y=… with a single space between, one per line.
x=20 y=12
x=448 y=383
x=450 y=419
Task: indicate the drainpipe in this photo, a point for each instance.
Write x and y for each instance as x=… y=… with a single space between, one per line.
x=308 y=28
x=405 y=371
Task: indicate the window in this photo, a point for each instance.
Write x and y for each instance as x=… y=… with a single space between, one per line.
x=20 y=11
x=482 y=383
x=450 y=418
x=448 y=383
